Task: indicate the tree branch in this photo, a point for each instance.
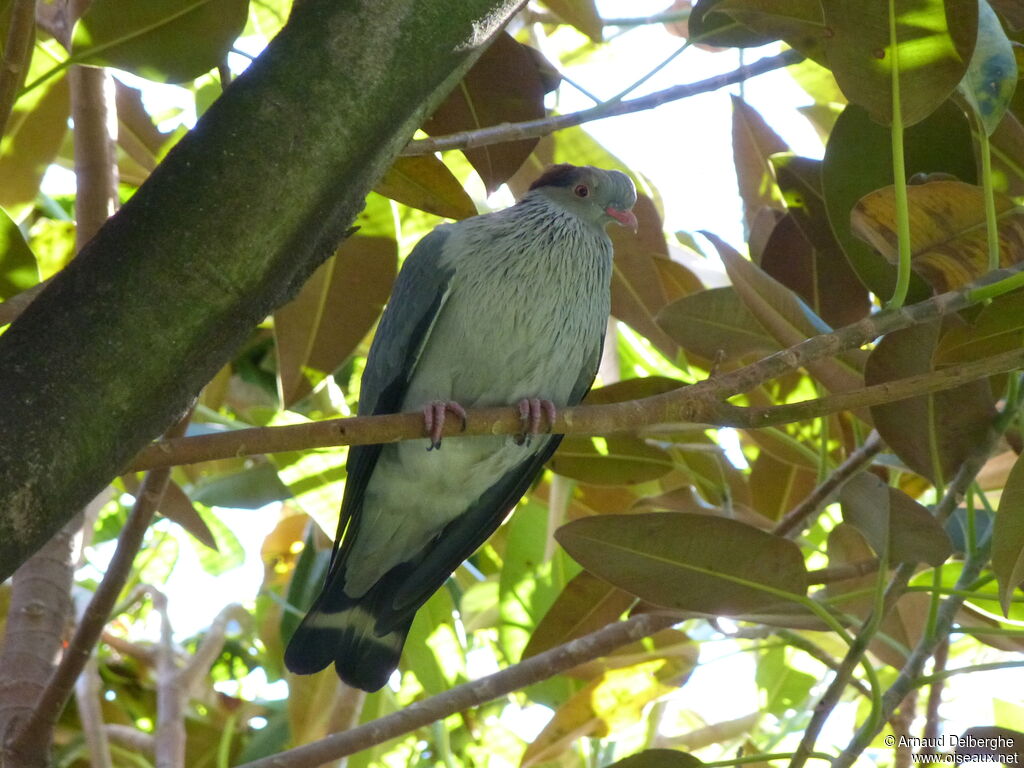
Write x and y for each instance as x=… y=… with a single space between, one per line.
x=471 y=694
x=532 y=129
x=58 y=688
x=793 y=522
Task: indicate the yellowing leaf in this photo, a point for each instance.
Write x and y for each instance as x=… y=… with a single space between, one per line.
x=581 y=14
x=425 y=183
x=615 y=698
x=947 y=230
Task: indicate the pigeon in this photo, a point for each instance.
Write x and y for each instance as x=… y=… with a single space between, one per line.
x=505 y=308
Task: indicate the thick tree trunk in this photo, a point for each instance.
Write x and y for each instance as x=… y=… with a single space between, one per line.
x=225 y=230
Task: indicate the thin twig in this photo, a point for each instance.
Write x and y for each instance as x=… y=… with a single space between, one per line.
x=169 y=739
x=932 y=719
x=96 y=614
x=793 y=522
x=88 y=690
x=471 y=694
x=532 y=129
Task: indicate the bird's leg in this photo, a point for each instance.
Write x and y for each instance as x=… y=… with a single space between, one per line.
x=530 y=411
x=434 y=415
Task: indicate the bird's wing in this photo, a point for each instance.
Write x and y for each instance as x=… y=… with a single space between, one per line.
x=463 y=535
x=419 y=295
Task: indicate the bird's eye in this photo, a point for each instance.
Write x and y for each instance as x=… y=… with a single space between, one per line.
x=582 y=190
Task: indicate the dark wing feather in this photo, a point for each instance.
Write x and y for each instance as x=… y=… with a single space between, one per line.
x=463 y=535
x=418 y=297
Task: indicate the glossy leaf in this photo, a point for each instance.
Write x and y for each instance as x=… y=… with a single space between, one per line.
x=427 y=184
x=1008 y=537
x=585 y=605
x=797 y=22
x=935 y=41
x=999 y=327
x=947 y=230
x=991 y=75
x=18 y=269
x=753 y=143
x=858 y=160
x=504 y=86
x=813 y=266
x=932 y=434
x=336 y=308
x=627 y=460
x=168 y=41
x=715 y=322
x=695 y=563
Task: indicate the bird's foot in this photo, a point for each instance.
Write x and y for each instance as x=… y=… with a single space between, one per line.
x=530 y=411
x=434 y=416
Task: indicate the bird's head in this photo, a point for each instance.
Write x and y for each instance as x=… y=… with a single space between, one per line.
x=594 y=195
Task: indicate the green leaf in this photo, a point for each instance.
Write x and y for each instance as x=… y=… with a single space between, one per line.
x=432 y=650
x=169 y=41
x=715 y=322
x=699 y=563
x=34 y=134
x=504 y=86
x=708 y=27
x=797 y=22
x=251 y=488
x=424 y=182
x=627 y=460
x=865 y=503
x=858 y=160
x=585 y=605
x=318 y=330
x=991 y=75
x=784 y=687
x=1008 y=537
x=931 y=434
x=658 y=758
x=948 y=239
x=935 y=41
x=999 y=327
x=18 y=269
x=227 y=553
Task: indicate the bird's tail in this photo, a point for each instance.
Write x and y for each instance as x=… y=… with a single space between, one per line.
x=341 y=629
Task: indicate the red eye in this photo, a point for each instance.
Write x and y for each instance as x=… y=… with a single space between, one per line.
x=582 y=190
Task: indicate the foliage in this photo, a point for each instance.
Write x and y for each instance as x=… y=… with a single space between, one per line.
x=834 y=561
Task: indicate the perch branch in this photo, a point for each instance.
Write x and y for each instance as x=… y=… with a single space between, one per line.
x=471 y=694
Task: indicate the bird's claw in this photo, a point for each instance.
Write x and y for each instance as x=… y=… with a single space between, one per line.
x=434 y=416
x=530 y=411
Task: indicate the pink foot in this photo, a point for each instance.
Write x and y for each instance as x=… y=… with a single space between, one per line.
x=434 y=415
x=530 y=411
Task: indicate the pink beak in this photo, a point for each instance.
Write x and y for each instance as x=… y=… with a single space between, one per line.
x=625 y=218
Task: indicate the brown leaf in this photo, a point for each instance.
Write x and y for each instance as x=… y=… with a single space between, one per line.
x=585 y=605
x=776 y=486
x=628 y=460
x=931 y=434
x=504 y=86
x=175 y=505
x=753 y=143
x=335 y=309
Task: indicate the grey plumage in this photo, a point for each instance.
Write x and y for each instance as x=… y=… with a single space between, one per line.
x=487 y=311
